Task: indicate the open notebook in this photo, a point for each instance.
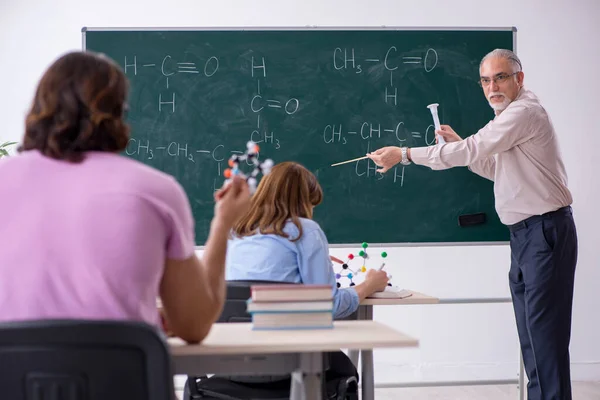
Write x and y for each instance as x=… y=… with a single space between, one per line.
x=391 y=292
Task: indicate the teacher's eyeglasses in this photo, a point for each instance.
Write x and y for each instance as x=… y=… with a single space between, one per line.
x=500 y=78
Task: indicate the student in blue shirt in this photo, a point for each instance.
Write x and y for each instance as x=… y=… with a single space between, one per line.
x=277 y=240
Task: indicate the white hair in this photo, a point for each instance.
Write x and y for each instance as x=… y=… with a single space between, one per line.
x=507 y=55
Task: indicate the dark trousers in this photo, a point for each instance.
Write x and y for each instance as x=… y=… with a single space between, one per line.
x=541 y=277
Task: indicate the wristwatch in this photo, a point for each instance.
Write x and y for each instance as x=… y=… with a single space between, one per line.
x=405 y=160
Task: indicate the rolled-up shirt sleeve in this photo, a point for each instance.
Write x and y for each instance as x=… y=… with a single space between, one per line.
x=509 y=129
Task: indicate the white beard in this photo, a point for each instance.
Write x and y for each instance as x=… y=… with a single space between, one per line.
x=499 y=106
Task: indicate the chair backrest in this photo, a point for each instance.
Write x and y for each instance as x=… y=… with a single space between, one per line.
x=238 y=292
x=83 y=360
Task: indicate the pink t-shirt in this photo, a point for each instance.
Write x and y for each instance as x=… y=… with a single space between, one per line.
x=87 y=240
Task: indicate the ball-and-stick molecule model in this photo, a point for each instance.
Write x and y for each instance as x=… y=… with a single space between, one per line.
x=251 y=158
x=351 y=273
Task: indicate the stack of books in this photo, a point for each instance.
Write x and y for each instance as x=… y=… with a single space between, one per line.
x=275 y=307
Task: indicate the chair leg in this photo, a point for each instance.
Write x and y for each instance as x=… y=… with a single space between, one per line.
x=347 y=389
x=190 y=389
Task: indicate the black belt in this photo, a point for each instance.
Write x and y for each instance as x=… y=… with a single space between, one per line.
x=567 y=210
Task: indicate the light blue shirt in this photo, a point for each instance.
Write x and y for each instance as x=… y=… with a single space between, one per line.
x=275 y=258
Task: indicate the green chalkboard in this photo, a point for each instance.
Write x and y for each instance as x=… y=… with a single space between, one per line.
x=316 y=96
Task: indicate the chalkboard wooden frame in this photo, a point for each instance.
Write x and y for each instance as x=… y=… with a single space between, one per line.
x=85 y=30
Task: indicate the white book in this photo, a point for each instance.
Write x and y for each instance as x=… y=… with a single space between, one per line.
x=291 y=306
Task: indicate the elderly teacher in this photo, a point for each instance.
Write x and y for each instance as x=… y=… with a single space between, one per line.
x=518 y=150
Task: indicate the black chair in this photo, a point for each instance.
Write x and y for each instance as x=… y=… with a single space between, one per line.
x=238 y=292
x=340 y=384
x=83 y=360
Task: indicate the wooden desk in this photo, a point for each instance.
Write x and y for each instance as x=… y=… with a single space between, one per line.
x=415 y=298
x=237 y=349
x=365 y=313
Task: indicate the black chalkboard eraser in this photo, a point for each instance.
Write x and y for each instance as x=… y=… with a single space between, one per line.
x=471 y=219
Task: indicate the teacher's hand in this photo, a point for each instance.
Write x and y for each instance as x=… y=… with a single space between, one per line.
x=448 y=134
x=386 y=157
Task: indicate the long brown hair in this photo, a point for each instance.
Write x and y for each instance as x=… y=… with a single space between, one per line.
x=78 y=107
x=288 y=192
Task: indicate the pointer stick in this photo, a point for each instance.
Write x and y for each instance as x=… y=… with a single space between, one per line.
x=349 y=161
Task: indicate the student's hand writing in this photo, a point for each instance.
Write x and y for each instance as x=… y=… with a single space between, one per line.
x=232 y=201
x=448 y=134
x=377 y=280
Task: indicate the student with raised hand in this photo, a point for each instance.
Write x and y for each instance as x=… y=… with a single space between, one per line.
x=277 y=240
x=90 y=234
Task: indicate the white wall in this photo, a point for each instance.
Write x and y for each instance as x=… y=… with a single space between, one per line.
x=556 y=44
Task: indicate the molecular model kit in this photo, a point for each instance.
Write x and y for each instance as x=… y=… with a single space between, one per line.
x=251 y=158
x=349 y=274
